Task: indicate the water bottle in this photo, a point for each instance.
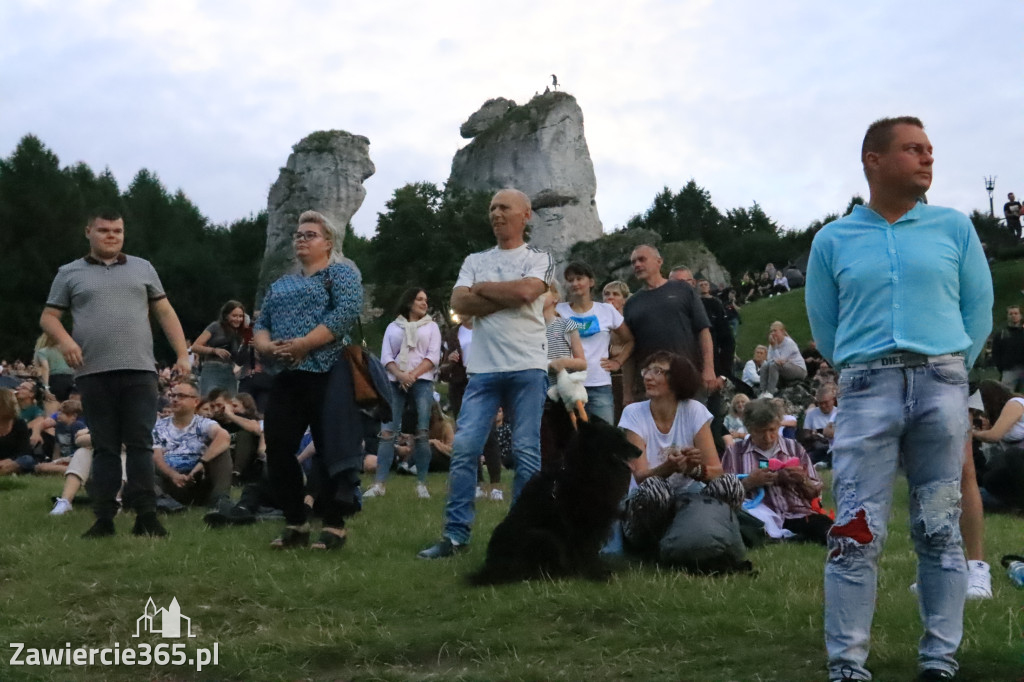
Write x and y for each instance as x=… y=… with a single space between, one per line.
x=1014 y=565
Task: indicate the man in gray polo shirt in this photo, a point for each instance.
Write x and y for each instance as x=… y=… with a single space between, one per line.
x=110 y=297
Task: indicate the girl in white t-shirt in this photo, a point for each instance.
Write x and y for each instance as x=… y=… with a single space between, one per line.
x=598 y=323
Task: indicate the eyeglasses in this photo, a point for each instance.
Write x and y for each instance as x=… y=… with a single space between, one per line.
x=306 y=236
x=653 y=371
x=178 y=396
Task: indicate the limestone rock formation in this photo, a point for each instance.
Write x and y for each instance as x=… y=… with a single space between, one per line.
x=697 y=257
x=539 y=148
x=485 y=117
x=324 y=172
x=609 y=257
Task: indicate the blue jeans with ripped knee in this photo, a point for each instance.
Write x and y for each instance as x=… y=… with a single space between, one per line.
x=421 y=393
x=915 y=418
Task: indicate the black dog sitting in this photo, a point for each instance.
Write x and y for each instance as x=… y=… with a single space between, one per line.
x=562 y=519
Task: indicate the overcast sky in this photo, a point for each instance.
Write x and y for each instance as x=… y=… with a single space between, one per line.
x=756 y=101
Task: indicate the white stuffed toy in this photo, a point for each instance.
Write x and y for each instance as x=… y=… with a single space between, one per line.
x=570 y=391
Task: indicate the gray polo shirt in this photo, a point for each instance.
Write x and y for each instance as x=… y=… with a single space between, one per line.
x=109 y=306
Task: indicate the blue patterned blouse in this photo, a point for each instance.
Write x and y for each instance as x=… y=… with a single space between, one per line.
x=296 y=304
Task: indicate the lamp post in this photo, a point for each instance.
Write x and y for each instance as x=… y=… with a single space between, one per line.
x=990 y=185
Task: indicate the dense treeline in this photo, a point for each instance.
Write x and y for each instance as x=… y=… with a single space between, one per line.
x=421 y=239
x=43 y=210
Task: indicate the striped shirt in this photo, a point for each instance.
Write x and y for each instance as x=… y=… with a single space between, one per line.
x=559 y=334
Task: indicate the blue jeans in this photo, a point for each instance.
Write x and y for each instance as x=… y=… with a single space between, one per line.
x=522 y=395
x=422 y=395
x=916 y=417
x=601 y=403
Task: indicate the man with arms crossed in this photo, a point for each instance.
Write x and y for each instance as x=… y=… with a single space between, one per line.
x=110 y=297
x=501 y=289
x=903 y=339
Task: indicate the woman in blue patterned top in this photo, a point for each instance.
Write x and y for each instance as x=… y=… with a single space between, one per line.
x=304 y=318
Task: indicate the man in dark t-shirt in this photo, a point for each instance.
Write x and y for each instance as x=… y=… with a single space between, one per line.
x=1011 y=209
x=668 y=316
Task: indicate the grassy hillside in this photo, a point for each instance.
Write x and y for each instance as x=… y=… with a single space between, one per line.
x=1007 y=276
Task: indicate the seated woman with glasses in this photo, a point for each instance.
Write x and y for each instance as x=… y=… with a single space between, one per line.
x=673 y=431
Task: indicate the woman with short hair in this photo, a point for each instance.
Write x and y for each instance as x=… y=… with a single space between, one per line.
x=752 y=370
x=615 y=294
x=304 y=319
x=673 y=432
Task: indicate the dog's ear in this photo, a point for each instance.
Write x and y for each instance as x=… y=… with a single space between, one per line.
x=599 y=436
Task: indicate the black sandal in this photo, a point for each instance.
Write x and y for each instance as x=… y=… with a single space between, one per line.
x=329 y=541
x=291 y=537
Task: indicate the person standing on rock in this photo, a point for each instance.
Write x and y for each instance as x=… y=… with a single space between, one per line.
x=111 y=298
x=899 y=297
x=503 y=290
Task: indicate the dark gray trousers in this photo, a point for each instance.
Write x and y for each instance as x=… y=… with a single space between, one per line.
x=120 y=410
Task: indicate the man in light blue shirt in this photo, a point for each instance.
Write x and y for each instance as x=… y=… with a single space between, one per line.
x=899 y=297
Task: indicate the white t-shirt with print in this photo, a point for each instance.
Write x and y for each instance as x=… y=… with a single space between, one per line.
x=690 y=417
x=595 y=333
x=511 y=339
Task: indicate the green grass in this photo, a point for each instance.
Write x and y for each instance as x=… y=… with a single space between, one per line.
x=374 y=612
x=1007 y=279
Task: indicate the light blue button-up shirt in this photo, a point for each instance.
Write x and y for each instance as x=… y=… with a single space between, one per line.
x=921 y=284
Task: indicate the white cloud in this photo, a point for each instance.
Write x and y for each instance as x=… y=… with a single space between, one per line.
x=756 y=101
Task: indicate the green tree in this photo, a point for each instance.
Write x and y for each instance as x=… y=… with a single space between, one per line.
x=422 y=239
x=43 y=213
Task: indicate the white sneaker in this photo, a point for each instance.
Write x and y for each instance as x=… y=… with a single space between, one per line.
x=63 y=507
x=979 y=580
x=480 y=492
x=422 y=492
x=497 y=495
x=376 y=490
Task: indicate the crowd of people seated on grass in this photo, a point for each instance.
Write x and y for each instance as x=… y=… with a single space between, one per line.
x=210 y=437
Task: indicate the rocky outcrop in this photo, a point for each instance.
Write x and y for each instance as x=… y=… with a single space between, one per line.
x=539 y=148
x=485 y=117
x=609 y=257
x=325 y=172
x=696 y=257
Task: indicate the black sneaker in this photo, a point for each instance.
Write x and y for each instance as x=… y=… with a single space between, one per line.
x=224 y=516
x=147 y=524
x=103 y=528
x=442 y=550
x=935 y=675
